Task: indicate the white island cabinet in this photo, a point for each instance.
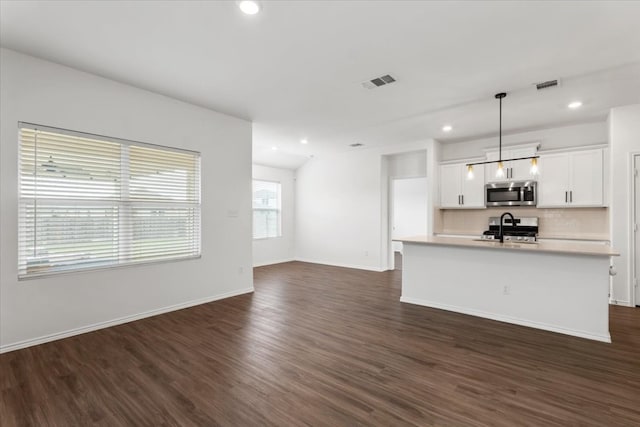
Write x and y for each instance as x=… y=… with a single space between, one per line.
x=560 y=287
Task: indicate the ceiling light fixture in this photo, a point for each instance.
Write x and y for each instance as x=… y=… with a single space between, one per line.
x=249 y=7
x=447 y=128
x=575 y=104
x=304 y=141
x=500 y=170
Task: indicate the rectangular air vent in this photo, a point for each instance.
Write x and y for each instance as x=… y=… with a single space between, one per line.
x=356 y=144
x=547 y=84
x=379 y=81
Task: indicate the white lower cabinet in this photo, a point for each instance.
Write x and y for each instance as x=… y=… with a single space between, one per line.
x=458 y=192
x=574 y=179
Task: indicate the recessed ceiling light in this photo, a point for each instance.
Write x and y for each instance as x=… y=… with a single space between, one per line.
x=304 y=141
x=447 y=128
x=575 y=104
x=274 y=148
x=249 y=7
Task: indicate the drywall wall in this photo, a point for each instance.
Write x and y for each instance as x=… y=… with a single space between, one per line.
x=624 y=141
x=38 y=310
x=549 y=139
x=342 y=207
x=277 y=249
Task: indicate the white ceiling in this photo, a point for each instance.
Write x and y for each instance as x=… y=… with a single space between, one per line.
x=295 y=69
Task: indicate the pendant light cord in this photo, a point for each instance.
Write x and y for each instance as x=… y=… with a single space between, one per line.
x=500 y=138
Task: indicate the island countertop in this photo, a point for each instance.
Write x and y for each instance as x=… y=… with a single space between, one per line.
x=575 y=248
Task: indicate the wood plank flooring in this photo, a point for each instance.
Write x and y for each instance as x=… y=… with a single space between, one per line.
x=325 y=346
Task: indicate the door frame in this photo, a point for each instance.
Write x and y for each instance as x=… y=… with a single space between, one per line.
x=634 y=218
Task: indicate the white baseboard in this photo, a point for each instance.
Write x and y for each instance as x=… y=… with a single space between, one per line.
x=262 y=264
x=620 y=302
x=333 y=264
x=126 y=319
x=508 y=319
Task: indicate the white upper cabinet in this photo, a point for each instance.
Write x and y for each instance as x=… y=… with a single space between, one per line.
x=514 y=170
x=456 y=191
x=574 y=179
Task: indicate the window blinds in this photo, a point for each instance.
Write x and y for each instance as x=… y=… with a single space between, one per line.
x=91 y=202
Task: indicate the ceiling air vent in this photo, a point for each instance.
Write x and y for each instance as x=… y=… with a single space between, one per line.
x=547 y=84
x=378 y=81
x=356 y=144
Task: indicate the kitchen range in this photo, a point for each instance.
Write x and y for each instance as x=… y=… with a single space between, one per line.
x=520 y=230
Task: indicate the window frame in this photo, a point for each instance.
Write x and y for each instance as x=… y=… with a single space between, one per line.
x=279 y=210
x=123 y=201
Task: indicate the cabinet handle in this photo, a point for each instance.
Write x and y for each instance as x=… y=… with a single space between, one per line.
x=566 y=196
x=571 y=196
x=458 y=199
x=462 y=199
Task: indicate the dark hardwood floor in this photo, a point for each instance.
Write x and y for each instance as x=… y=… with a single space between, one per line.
x=325 y=346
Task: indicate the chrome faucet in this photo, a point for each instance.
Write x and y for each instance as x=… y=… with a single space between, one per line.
x=513 y=222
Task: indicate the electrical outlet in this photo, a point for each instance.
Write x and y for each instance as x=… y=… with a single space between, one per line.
x=506 y=290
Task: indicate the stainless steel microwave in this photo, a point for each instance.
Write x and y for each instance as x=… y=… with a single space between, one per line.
x=515 y=193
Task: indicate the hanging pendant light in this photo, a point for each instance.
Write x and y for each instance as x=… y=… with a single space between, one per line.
x=534 y=167
x=500 y=169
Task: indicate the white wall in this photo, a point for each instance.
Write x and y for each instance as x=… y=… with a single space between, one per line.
x=342 y=207
x=44 y=93
x=624 y=134
x=549 y=139
x=277 y=249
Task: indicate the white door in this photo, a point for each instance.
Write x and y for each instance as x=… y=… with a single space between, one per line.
x=409 y=207
x=553 y=182
x=637 y=232
x=586 y=178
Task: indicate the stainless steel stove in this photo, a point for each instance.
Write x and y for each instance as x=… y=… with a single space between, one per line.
x=525 y=230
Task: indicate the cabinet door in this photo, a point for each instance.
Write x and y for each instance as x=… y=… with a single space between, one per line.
x=586 y=178
x=490 y=169
x=450 y=185
x=520 y=169
x=553 y=182
x=473 y=189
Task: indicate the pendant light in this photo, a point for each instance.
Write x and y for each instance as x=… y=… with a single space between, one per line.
x=500 y=169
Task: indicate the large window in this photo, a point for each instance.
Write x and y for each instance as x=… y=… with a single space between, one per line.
x=88 y=201
x=266 y=209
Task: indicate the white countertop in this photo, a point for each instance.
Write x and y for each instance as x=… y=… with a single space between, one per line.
x=575 y=248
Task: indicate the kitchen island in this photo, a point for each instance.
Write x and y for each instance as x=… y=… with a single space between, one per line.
x=556 y=286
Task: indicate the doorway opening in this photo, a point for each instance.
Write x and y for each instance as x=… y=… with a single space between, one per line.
x=407 y=213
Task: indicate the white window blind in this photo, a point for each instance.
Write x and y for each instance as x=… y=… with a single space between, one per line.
x=91 y=202
x=266 y=209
